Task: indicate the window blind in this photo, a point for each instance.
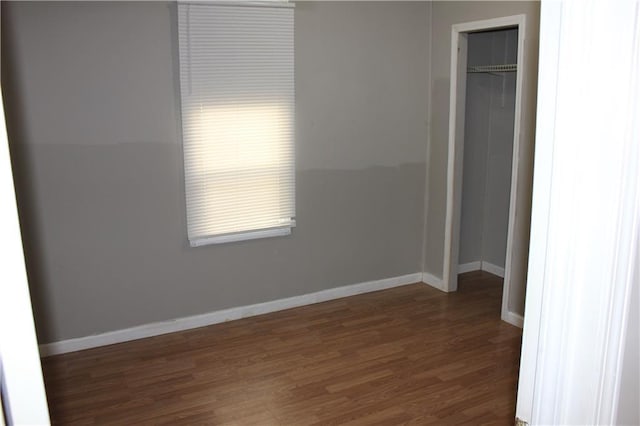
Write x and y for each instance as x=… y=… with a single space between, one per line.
x=237 y=90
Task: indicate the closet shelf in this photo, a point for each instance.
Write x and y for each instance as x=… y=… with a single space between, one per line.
x=493 y=68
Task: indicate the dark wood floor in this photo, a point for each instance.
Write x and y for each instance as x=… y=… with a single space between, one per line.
x=408 y=355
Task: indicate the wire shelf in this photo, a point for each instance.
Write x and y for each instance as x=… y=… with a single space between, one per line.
x=493 y=68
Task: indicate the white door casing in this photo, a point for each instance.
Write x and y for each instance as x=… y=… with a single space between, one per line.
x=23 y=393
x=455 y=155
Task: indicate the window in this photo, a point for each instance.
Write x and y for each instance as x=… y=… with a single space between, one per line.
x=237 y=90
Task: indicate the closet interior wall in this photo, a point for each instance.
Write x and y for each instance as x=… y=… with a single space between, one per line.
x=488 y=148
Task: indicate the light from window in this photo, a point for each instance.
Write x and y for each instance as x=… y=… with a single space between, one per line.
x=237 y=87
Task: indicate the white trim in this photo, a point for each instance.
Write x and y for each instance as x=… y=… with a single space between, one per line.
x=550 y=16
x=449 y=277
x=241 y=236
x=433 y=281
x=216 y=317
x=454 y=172
x=240 y=3
x=495 y=270
x=513 y=319
x=481 y=265
x=22 y=388
x=470 y=267
x=515 y=176
x=489 y=24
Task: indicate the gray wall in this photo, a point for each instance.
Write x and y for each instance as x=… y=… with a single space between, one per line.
x=444 y=15
x=488 y=148
x=93 y=115
x=629 y=397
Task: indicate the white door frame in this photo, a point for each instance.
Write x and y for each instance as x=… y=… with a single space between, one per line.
x=21 y=382
x=457 y=96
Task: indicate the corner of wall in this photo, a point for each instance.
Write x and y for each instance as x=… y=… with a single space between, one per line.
x=428 y=141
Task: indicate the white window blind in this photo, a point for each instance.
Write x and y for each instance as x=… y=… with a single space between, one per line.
x=237 y=90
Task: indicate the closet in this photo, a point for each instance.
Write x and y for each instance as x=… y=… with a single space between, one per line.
x=488 y=148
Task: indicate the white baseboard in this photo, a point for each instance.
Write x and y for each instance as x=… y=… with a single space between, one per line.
x=468 y=267
x=481 y=266
x=493 y=269
x=186 y=323
x=433 y=281
x=513 y=319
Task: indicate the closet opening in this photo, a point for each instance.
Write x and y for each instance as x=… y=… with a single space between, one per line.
x=481 y=231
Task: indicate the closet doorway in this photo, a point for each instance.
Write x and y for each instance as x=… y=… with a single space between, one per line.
x=484 y=137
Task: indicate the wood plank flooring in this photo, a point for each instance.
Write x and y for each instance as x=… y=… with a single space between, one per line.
x=408 y=355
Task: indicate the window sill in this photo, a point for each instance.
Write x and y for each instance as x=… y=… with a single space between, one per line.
x=242 y=236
